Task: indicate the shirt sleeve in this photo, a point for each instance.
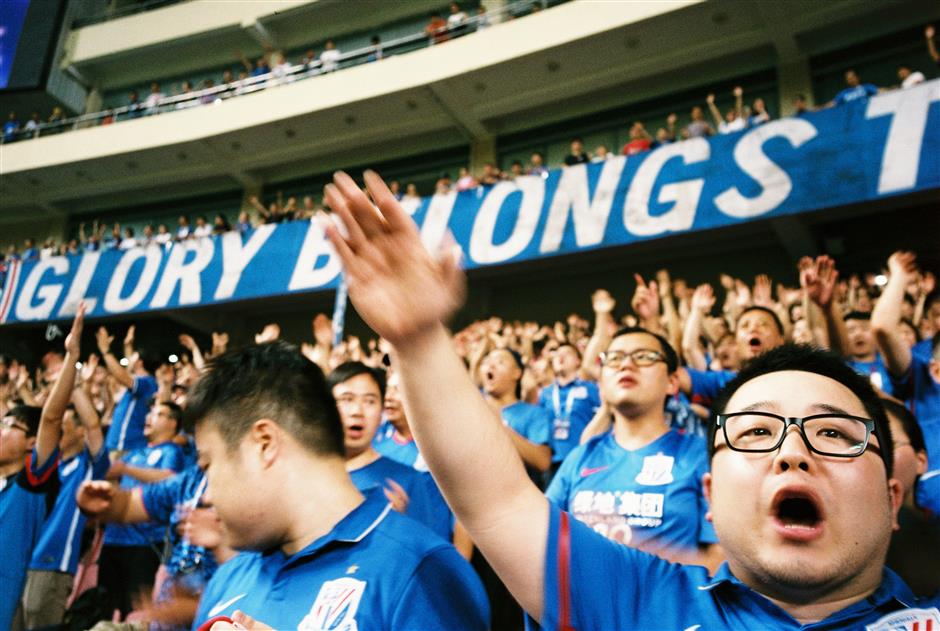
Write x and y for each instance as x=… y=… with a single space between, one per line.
x=560 y=487
x=707 y=384
x=160 y=499
x=40 y=479
x=443 y=593
x=144 y=388
x=538 y=429
x=172 y=458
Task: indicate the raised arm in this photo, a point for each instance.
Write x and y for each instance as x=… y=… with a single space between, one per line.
x=671 y=320
x=819 y=283
x=710 y=99
x=120 y=374
x=94 y=437
x=187 y=342
x=703 y=299
x=109 y=503
x=129 y=341
x=405 y=295
x=902 y=267
x=603 y=304
x=929 y=32
x=738 y=101
x=50 y=426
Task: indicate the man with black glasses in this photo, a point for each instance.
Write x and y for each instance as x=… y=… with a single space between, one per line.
x=805 y=525
x=640 y=484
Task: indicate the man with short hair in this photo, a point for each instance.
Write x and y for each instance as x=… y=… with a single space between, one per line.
x=862 y=352
x=127 y=426
x=394 y=439
x=359 y=392
x=854 y=89
x=270 y=440
x=800 y=489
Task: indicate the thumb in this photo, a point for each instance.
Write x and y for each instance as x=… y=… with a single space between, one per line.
x=639 y=280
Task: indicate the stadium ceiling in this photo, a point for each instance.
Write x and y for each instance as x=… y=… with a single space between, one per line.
x=470 y=93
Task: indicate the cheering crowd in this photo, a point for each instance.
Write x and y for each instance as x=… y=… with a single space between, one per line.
x=281 y=486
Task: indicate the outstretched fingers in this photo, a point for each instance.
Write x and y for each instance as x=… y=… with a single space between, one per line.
x=395 y=216
x=359 y=205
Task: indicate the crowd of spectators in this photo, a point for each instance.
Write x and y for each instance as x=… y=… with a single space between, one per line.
x=121 y=412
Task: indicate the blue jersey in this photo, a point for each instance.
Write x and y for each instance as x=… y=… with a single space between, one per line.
x=375 y=569
x=706 y=384
x=388 y=443
x=927 y=493
x=25 y=499
x=861 y=91
x=130 y=413
x=168 y=502
x=166 y=455
x=923 y=394
x=680 y=416
x=571 y=407
x=532 y=422
x=60 y=542
x=649 y=498
x=875 y=371
x=425 y=502
x=576 y=557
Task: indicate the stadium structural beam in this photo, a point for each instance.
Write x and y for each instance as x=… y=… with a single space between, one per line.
x=795 y=236
x=467 y=124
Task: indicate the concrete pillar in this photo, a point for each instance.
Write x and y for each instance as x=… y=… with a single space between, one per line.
x=793 y=77
x=482 y=150
x=94 y=102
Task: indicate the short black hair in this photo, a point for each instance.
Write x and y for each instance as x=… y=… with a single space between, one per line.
x=672 y=359
x=931 y=298
x=913 y=328
x=805 y=358
x=176 y=413
x=268 y=381
x=770 y=312
x=908 y=421
x=28 y=415
x=561 y=345
x=857 y=315
x=347 y=370
x=517 y=358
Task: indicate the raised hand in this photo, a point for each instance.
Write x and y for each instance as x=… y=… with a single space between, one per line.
x=187 y=342
x=396 y=285
x=929 y=32
x=903 y=265
x=94 y=496
x=762 y=293
x=73 y=341
x=323 y=330
x=819 y=278
x=129 y=338
x=104 y=340
x=88 y=368
x=665 y=283
x=602 y=301
x=270 y=333
x=396 y=495
x=165 y=376
x=703 y=298
x=742 y=293
x=645 y=300
x=219 y=343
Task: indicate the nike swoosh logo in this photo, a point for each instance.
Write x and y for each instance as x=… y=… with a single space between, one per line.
x=223 y=606
x=585 y=472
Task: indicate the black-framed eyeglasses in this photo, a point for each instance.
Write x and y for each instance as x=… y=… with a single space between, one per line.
x=641 y=357
x=839 y=435
x=10 y=423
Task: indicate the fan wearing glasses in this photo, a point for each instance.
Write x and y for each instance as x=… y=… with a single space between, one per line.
x=641 y=483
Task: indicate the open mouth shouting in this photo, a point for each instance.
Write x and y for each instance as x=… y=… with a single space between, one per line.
x=797 y=514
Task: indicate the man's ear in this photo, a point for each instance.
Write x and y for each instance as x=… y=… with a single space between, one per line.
x=896 y=498
x=266 y=439
x=30 y=444
x=707 y=491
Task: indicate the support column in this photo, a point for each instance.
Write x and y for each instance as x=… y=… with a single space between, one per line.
x=482 y=150
x=793 y=77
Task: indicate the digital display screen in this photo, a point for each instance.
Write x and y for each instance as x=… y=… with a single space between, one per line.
x=12 y=17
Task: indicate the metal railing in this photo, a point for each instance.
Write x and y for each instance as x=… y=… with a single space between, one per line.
x=281 y=75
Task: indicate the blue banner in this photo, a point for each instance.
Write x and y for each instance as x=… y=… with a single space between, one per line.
x=867 y=150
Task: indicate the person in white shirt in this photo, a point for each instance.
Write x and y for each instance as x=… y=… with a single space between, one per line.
x=329 y=58
x=202 y=229
x=456 y=19
x=128 y=241
x=908 y=78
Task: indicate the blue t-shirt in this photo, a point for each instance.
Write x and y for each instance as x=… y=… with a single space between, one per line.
x=167 y=503
x=25 y=499
x=680 y=416
x=375 y=569
x=60 y=542
x=571 y=407
x=425 y=502
x=649 y=498
x=923 y=396
x=687 y=597
x=875 y=371
x=10 y=128
x=127 y=427
x=388 y=443
x=706 y=384
x=166 y=455
x=927 y=493
x=861 y=91
x=532 y=422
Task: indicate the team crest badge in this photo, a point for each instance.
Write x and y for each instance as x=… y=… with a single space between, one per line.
x=335 y=606
x=154 y=457
x=908 y=620
x=656 y=470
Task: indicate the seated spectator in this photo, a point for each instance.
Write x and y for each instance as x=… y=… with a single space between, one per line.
x=220 y=224
x=11 y=127
x=185 y=97
x=537 y=165
x=577 y=155
x=601 y=153
x=133 y=105
x=32 y=125
x=908 y=78
x=465 y=181
x=854 y=89
x=698 y=127
x=436 y=30
x=56 y=120
x=456 y=21
x=280 y=67
x=152 y=102
x=202 y=228
x=639 y=142
x=734 y=118
x=329 y=58
x=182 y=228
x=163 y=236
x=127 y=241
x=146 y=237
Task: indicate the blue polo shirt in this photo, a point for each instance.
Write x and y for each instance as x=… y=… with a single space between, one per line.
x=167 y=502
x=861 y=91
x=688 y=598
x=571 y=406
x=130 y=413
x=927 y=493
x=923 y=396
x=706 y=384
x=60 y=542
x=425 y=502
x=387 y=443
x=532 y=422
x=25 y=499
x=166 y=455
x=875 y=371
x=376 y=569
x=649 y=498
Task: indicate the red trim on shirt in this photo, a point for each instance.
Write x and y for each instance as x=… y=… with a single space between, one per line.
x=564 y=574
x=205 y=626
x=42 y=479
